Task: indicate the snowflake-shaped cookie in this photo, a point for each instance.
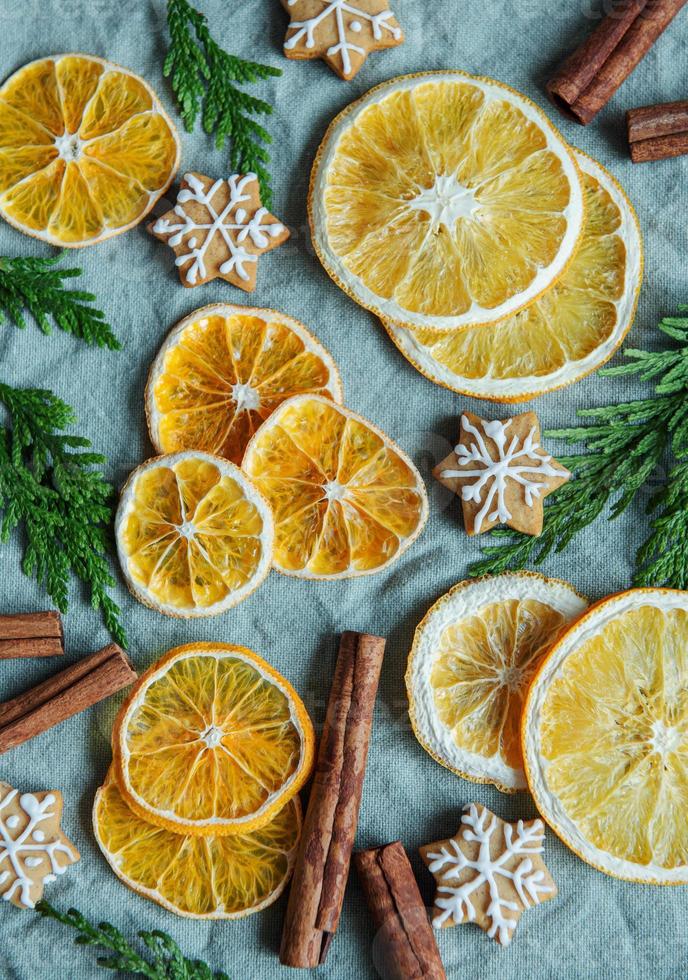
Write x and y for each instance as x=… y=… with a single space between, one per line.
x=490 y=873
x=342 y=32
x=501 y=472
x=218 y=228
x=33 y=849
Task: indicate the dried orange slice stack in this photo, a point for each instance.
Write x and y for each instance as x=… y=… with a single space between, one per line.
x=199 y=811
x=86 y=149
x=605 y=736
x=473 y=657
x=223 y=370
x=194 y=535
x=502 y=262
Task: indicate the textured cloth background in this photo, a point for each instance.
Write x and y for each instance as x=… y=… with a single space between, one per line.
x=598 y=928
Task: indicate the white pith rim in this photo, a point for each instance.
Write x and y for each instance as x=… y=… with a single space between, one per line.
x=390 y=309
x=533 y=385
x=459 y=603
x=251 y=493
x=228 y=652
x=536 y=767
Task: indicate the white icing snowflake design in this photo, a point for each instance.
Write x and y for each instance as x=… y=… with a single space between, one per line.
x=28 y=849
x=528 y=882
x=338 y=9
x=514 y=462
x=232 y=223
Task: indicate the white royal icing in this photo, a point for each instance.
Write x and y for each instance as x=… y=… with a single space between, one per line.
x=343 y=47
x=497 y=472
x=232 y=223
x=28 y=850
x=528 y=883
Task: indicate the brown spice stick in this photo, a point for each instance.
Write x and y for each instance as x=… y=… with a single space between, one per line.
x=36 y=634
x=405 y=940
x=590 y=76
x=78 y=687
x=38 y=647
x=322 y=864
x=656 y=132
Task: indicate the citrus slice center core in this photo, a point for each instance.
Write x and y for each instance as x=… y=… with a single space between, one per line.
x=247 y=398
x=69 y=147
x=665 y=738
x=446 y=201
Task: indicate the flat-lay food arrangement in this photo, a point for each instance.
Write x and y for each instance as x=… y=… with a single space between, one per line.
x=367 y=591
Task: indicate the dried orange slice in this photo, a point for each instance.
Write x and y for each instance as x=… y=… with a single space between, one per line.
x=194 y=535
x=346 y=500
x=445 y=201
x=571 y=330
x=472 y=659
x=605 y=736
x=211 y=741
x=198 y=877
x=86 y=149
x=223 y=370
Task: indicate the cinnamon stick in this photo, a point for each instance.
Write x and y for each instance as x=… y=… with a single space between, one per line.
x=36 y=634
x=322 y=864
x=405 y=943
x=78 y=687
x=590 y=76
x=656 y=132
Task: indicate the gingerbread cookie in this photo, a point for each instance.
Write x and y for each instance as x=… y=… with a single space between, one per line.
x=342 y=32
x=218 y=228
x=501 y=472
x=33 y=849
x=489 y=873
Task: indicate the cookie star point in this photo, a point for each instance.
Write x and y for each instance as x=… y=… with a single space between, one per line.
x=218 y=229
x=341 y=32
x=489 y=873
x=501 y=472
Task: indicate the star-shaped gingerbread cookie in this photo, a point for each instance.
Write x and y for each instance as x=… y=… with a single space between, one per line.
x=342 y=32
x=218 y=228
x=489 y=873
x=501 y=472
x=33 y=849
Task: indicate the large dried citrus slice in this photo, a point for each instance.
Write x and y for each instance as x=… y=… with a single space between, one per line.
x=86 y=149
x=605 y=736
x=472 y=659
x=571 y=330
x=212 y=740
x=446 y=201
x=194 y=536
x=346 y=500
x=223 y=370
x=222 y=877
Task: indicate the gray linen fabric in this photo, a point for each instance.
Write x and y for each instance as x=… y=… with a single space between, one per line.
x=598 y=928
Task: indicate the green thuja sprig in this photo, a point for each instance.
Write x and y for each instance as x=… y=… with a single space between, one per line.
x=204 y=75
x=51 y=487
x=166 y=962
x=625 y=446
x=35 y=286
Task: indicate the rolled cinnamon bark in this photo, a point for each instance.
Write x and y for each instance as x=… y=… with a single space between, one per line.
x=656 y=132
x=322 y=864
x=65 y=694
x=37 y=634
x=405 y=942
x=590 y=76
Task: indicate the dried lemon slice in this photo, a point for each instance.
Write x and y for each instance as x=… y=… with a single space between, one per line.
x=568 y=332
x=605 y=736
x=194 y=535
x=346 y=500
x=225 y=877
x=473 y=656
x=445 y=201
x=223 y=370
x=86 y=149
x=212 y=741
